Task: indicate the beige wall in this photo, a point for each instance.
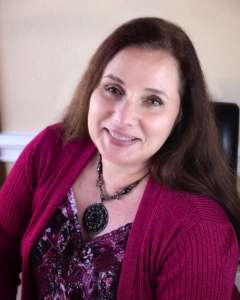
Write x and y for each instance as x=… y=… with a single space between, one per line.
x=45 y=45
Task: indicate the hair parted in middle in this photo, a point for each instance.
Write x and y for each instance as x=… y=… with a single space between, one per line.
x=190 y=159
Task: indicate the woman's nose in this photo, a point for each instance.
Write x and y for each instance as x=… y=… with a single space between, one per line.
x=126 y=113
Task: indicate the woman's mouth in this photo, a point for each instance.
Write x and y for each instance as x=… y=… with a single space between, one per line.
x=121 y=139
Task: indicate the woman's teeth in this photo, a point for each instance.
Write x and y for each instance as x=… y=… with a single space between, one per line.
x=121 y=137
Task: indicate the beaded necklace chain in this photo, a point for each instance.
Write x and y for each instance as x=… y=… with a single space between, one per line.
x=95 y=217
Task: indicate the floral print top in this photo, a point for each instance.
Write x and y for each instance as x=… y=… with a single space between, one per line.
x=65 y=267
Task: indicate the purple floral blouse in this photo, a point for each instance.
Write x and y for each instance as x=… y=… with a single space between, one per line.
x=65 y=267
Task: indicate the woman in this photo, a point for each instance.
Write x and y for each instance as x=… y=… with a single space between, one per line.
x=128 y=196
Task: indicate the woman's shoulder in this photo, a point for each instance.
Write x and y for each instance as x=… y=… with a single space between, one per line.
x=51 y=139
x=180 y=215
x=47 y=151
x=185 y=209
x=50 y=135
x=46 y=138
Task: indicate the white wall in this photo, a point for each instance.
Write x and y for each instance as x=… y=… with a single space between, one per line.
x=45 y=45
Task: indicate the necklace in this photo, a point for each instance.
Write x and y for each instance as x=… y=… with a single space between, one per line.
x=95 y=217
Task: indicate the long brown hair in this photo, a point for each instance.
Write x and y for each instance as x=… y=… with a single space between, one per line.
x=190 y=159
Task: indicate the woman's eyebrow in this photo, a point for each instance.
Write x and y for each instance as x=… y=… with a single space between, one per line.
x=152 y=90
x=159 y=92
x=115 y=78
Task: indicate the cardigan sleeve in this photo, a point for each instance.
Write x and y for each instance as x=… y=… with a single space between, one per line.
x=16 y=197
x=200 y=264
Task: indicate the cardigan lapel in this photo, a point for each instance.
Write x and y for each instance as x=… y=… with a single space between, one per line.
x=71 y=163
x=134 y=284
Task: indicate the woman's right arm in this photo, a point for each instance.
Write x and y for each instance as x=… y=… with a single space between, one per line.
x=16 y=197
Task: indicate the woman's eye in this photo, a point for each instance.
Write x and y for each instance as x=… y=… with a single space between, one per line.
x=113 y=90
x=154 y=101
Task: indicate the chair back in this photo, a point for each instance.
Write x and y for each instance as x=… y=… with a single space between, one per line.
x=227 y=119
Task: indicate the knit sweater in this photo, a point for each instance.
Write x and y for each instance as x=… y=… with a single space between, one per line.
x=181 y=246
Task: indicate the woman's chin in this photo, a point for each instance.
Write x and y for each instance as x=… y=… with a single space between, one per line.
x=119 y=151
x=115 y=156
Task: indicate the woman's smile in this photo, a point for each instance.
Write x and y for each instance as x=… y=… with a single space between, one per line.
x=120 y=139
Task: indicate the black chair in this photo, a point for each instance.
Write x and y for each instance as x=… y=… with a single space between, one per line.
x=227 y=119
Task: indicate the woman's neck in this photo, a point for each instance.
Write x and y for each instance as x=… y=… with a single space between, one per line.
x=118 y=176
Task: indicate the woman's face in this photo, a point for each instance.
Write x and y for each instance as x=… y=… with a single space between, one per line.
x=134 y=107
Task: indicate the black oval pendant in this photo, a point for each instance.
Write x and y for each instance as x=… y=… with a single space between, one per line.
x=95 y=218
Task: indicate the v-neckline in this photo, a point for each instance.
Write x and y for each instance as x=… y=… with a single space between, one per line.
x=107 y=235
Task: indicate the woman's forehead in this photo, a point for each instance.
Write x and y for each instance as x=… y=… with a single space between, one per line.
x=138 y=65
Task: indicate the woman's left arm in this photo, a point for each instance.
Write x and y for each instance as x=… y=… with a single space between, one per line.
x=200 y=264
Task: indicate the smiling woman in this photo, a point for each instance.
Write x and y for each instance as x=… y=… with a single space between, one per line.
x=128 y=196
x=131 y=113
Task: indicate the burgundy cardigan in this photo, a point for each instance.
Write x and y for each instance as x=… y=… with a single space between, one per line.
x=181 y=246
